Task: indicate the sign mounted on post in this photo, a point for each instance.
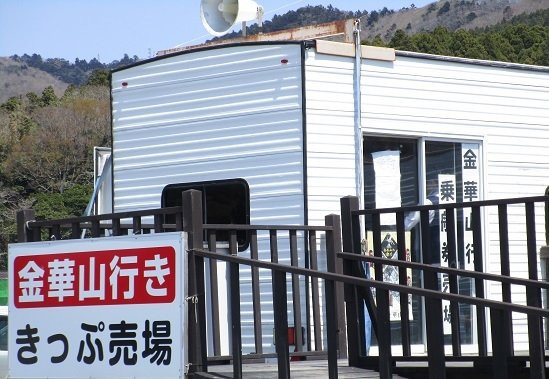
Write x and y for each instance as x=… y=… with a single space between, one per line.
x=98 y=308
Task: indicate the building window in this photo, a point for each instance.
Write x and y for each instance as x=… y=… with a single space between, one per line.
x=406 y=171
x=453 y=176
x=223 y=202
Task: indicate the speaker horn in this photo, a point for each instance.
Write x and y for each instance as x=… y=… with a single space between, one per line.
x=220 y=16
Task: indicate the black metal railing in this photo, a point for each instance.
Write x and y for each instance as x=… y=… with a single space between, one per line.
x=308 y=331
x=344 y=278
x=306 y=246
x=113 y=224
x=500 y=311
x=334 y=345
x=331 y=276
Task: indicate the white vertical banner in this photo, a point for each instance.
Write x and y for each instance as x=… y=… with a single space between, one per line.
x=471 y=182
x=447 y=195
x=387 y=174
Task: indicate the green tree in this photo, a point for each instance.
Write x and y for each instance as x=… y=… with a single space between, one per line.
x=435 y=42
x=99 y=77
x=34 y=99
x=378 y=41
x=13 y=104
x=544 y=57
x=402 y=41
x=498 y=48
x=48 y=96
x=465 y=44
x=70 y=203
x=57 y=154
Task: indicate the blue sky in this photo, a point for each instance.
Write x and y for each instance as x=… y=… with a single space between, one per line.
x=107 y=29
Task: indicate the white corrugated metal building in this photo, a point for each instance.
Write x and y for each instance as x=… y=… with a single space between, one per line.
x=279 y=116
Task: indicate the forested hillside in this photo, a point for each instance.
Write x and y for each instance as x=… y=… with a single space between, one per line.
x=76 y=73
x=450 y=14
x=17 y=78
x=383 y=23
x=444 y=27
x=309 y=15
x=523 y=39
x=47 y=132
x=46 y=145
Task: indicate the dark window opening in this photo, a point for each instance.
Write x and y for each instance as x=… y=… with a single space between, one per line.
x=223 y=202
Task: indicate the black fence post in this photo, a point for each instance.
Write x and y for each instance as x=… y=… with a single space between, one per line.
x=500 y=349
x=337 y=247
x=505 y=271
x=533 y=299
x=333 y=246
x=479 y=284
x=403 y=280
x=256 y=294
x=351 y=244
x=236 y=325
x=193 y=225
x=433 y=308
x=296 y=292
x=280 y=304
x=214 y=297
x=383 y=315
x=280 y=310
x=24 y=234
x=453 y=282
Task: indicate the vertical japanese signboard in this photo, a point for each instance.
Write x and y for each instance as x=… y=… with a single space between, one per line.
x=447 y=195
x=471 y=180
x=97 y=308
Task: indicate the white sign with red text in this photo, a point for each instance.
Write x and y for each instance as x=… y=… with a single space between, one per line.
x=98 y=308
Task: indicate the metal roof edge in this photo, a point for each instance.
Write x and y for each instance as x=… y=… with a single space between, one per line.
x=479 y=62
x=205 y=48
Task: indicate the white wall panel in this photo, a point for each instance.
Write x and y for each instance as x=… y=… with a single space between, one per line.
x=505 y=109
x=330 y=133
x=224 y=113
x=236 y=112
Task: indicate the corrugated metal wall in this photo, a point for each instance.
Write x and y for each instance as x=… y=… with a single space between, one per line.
x=330 y=133
x=233 y=112
x=507 y=110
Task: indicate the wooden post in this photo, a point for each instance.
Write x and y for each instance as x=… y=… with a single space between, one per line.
x=24 y=234
x=355 y=343
x=333 y=246
x=433 y=308
x=193 y=225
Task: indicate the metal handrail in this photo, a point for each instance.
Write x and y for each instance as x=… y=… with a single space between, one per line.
x=460 y=205
x=103 y=217
x=446 y=270
x=265 y=227
x=363 y=282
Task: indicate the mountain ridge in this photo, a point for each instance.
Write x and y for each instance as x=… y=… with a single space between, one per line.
x=452 y=14
x=18 y=78
x=31 y=73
